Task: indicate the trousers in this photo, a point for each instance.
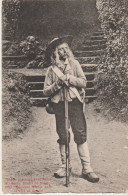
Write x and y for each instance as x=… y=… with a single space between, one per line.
x=77 y=121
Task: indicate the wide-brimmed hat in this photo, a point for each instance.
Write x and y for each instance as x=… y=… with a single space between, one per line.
x=54 y=43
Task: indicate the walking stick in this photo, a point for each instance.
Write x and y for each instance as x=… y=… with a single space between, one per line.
x=67 y=134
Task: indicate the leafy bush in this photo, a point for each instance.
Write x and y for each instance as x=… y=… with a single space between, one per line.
x=12 y=50
x=32 y=49
x=113 y=81
x=11 y=15
x=16 y=104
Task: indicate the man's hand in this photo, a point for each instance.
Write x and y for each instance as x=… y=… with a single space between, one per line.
x=64 y=78
x=63 y=81
x=60 y=82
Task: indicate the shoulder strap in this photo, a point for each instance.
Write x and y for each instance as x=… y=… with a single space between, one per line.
x=60 y=75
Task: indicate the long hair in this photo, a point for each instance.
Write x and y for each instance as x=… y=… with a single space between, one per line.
x=55 y=58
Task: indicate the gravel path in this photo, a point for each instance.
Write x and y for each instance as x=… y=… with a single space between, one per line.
x=30 y=160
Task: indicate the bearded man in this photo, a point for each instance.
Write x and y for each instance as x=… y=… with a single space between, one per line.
x=59 y=54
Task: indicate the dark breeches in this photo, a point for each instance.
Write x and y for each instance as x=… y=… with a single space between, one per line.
x=76 y=120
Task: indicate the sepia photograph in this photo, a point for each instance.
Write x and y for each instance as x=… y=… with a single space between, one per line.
x=64 y=96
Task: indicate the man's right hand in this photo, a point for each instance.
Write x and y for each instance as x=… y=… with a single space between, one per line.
x=61 y=83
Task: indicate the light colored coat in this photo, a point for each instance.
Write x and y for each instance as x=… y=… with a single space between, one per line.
x=76 y=79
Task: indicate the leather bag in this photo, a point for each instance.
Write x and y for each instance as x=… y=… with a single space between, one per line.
x=49 y=107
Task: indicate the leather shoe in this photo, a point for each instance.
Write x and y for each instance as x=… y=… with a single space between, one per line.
x=92 y=177
x=61 y=172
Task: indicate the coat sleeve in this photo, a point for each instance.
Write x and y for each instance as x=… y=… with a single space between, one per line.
x=50 y=87
x=79 y=80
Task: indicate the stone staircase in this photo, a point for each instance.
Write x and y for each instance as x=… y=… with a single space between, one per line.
x=88 y=56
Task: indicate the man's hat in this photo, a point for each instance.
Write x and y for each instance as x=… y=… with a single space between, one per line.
x=54 y=43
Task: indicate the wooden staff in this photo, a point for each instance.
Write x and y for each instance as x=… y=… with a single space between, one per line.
x=67 y=134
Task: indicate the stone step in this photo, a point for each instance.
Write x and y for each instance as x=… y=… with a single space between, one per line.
x=36 y=93
x=98 y=37
x=12 y=66
x=95 y=42
x=41 y=101
x=91 y=83
x=90 y=91
x=40 y=85
x=35 y=83
x=88 y=53
x=88 y=60
x=91 y=75
x=45 y=98
x=41 y=73
x=38 y=101
x=35 y=78
x=14 y=57
x=89 y=67
x=93 y=47
x=38 y=98
x=89 y=99
x=30 y=72
x=39 y=95
x=41 y=91
x=41 y=77
x=100 y=33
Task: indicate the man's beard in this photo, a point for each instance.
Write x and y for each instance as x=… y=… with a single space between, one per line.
x=63 y=57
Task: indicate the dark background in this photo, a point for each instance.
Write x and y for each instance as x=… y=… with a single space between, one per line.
x=43 y=18
x=49 y=18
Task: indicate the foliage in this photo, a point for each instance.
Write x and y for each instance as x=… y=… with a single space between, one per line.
x=11 y=15
x=12 y=50
x=16 y=104
x=113 y=82
x=30 y=47
x=47 y=18
x=38 y=62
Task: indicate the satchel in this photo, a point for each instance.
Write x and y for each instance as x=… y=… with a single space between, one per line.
x=49 y=106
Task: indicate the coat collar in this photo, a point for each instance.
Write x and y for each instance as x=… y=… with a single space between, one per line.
x=67 y=64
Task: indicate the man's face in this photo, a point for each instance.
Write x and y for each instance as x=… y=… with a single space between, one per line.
x=62 y=51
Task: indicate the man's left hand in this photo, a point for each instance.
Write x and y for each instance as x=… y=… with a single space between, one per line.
x=64 y=78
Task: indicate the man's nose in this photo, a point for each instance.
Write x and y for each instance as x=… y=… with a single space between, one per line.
x=64 y=50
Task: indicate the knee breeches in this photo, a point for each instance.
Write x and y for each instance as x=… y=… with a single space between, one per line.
x=76 y=120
